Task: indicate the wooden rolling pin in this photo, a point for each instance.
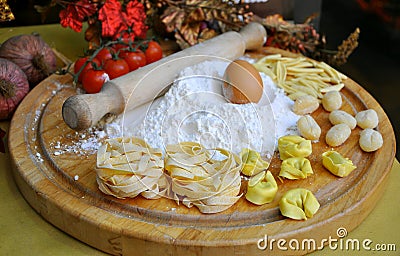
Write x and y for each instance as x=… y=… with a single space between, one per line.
x=145 y=84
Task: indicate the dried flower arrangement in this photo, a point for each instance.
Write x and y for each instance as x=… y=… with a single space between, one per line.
x=194 y=21
x=107 y=19
x=189 y=22
x=304 y=39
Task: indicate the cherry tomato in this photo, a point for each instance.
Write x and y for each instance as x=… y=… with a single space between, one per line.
x=120 y=47
x=153 y=52
x=116 y=68
x=80 y=62
x=124 y=45
x=135 y=59
x=93 y=80
x=105 y=54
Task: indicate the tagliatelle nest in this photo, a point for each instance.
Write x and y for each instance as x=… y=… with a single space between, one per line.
x=191 y=174
x=127 y=167
x=210 y=180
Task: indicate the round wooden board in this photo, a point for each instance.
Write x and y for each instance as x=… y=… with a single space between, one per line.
x=62 y=188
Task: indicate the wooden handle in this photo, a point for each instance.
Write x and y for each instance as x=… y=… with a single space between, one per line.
x=146 y=83
x=254 y=36
x=85 y=110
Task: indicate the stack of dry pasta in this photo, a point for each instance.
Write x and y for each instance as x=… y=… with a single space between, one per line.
x=300 y=75
x=189 y=173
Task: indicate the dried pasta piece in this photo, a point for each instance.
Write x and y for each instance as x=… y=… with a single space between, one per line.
x=337 y=87
x=308 y=127
x=305 y=104
x=200 y=178
x=367 y=119
x=298 y=204
x=296 y=168
x=261 y=188
x=337 y=135
x=127 y=167
x=342 y=117
x=252 y=162
x=293 y=146
x=337 y=164
x=370 y=140
x=298 y=76
x=332 y=100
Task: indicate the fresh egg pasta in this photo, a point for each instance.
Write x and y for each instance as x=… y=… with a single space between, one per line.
x=298 y=204
x=296 y=168
x=261 y=188
x=252 y=162
x=208 y=179
x=128 y=167
x=293 y=146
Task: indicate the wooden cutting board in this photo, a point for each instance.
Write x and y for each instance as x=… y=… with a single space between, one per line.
x=57 y=178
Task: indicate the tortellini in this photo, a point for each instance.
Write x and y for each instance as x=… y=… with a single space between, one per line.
x=296 y=168
x=127 y=167
x=337 y=164
x=298 y=204
x=252 y=162
x=294 y=146
x=261 y=188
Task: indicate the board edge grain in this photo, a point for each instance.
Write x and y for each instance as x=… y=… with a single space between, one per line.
x=56 y=206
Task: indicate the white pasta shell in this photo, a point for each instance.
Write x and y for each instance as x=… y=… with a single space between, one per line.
x=308 y=128
x=337 y=135
x=342 y=117
x=305 y=104
x=370 y=140
x=367 y=119
x=331 y=101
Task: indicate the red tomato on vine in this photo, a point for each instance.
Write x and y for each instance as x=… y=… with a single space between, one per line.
x=94 y=79
x=80 y=62
x=122 y=45
x=135 y=59
x=105 y=54
x=153 y=52
x=116 y=68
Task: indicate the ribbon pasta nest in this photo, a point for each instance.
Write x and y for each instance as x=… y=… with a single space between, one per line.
x=208 y=179
x=127 y=167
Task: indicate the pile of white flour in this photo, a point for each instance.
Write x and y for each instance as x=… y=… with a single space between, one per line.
x=194 y=109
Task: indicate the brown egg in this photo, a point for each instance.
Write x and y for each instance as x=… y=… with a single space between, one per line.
x=242 y=83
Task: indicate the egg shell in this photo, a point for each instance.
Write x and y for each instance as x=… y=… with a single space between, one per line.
x=242 y=83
